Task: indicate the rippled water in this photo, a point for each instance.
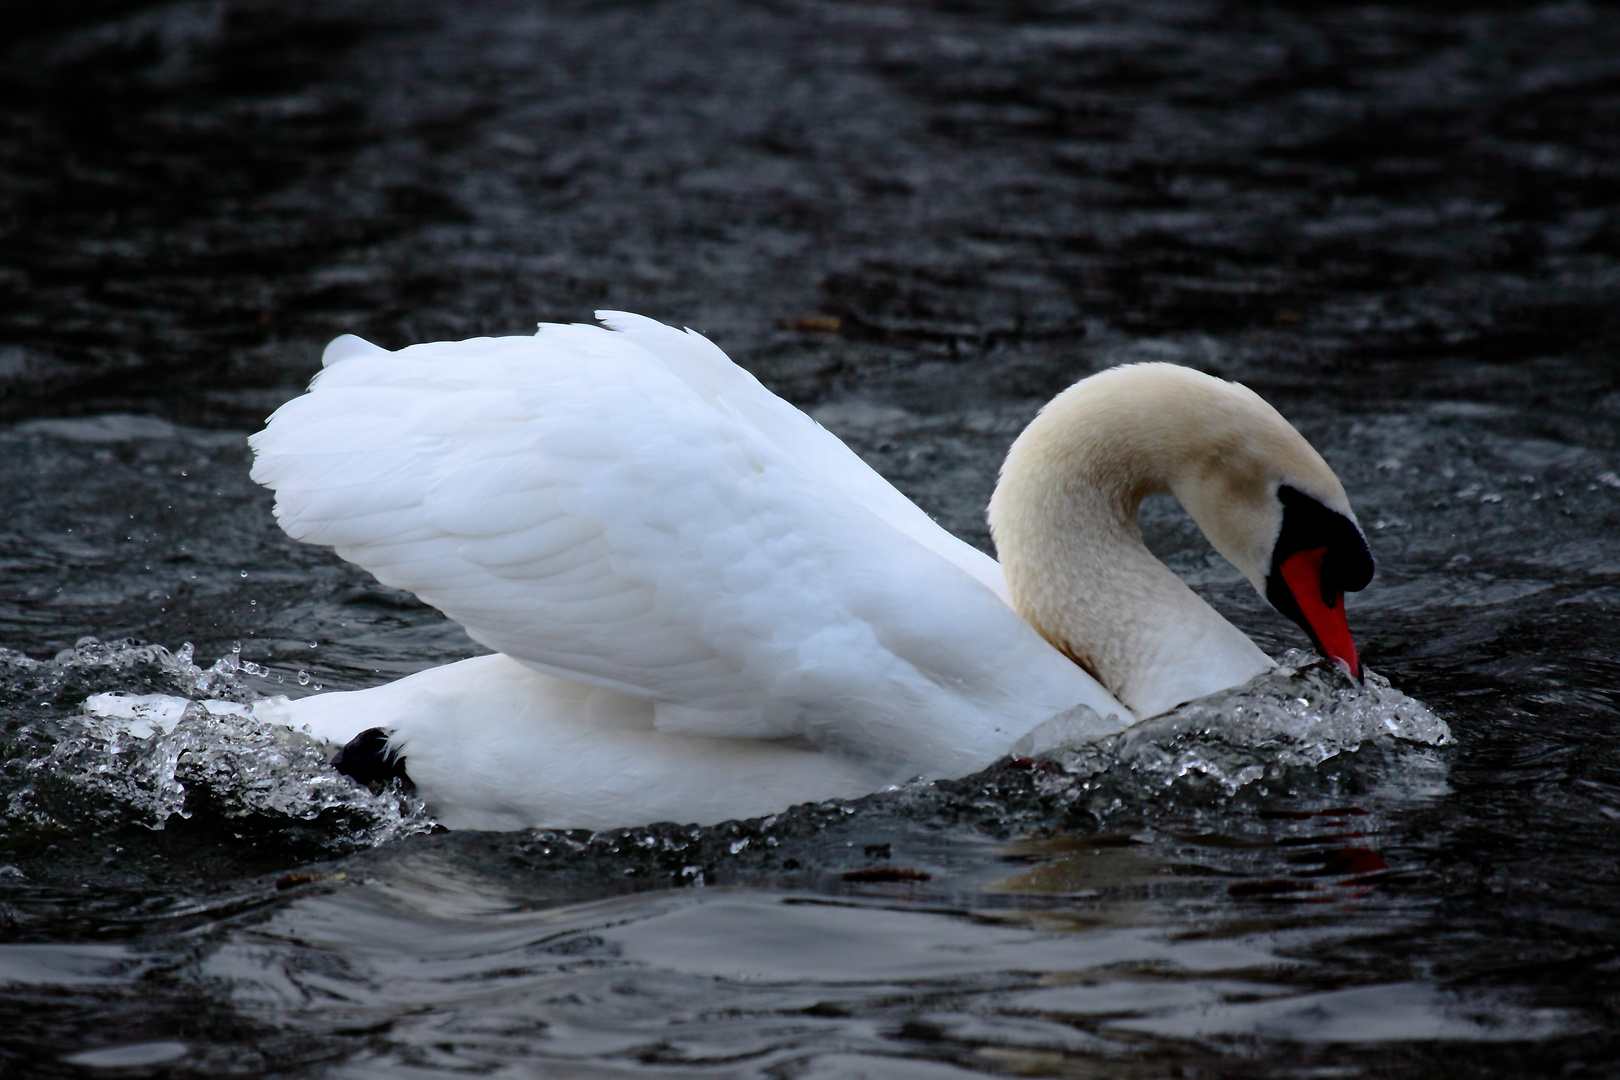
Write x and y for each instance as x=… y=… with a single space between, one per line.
x=1300 y=874
x=1398 y=223
x=1024 y=909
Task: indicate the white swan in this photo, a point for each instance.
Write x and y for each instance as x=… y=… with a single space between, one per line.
x=705 y=606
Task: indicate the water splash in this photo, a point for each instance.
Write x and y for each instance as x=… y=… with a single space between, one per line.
x=93 y=665
x=159 y=738
x=1298 y=715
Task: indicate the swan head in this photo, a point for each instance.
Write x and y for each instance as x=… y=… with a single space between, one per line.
x=1263 y=497
x=1319 y=554
x=1075 y=479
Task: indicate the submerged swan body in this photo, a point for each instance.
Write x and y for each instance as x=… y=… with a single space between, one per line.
x=703 y=605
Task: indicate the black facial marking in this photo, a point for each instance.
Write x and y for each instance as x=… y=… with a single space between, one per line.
x=367 y=758
x=1307 y=524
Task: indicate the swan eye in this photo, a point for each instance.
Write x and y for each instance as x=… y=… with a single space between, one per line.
x=1347 y=565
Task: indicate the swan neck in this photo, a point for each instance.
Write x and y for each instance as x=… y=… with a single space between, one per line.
x=1064 y=519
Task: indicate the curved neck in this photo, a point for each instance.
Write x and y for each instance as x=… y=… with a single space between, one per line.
x=1064 y=518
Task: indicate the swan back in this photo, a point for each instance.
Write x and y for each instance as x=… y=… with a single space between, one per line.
x=628 y=509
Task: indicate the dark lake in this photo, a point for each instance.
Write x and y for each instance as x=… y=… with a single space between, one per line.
x=1400 y=223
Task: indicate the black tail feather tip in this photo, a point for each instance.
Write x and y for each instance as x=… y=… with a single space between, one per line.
x=367 y=759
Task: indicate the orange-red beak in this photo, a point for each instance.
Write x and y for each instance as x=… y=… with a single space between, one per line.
x=1324 y=614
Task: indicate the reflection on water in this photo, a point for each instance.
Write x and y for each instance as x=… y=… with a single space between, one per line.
x=458 y=978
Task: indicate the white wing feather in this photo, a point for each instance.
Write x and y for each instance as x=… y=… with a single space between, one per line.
x=627 y=508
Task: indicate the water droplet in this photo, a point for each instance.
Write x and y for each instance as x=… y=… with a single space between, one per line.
x=244 y=573
x=303 y=678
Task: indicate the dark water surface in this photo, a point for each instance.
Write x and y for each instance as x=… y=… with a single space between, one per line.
x=1400 y=223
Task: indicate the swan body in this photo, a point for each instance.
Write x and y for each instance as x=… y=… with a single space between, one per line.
x=496 y=745
x=703 y=605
